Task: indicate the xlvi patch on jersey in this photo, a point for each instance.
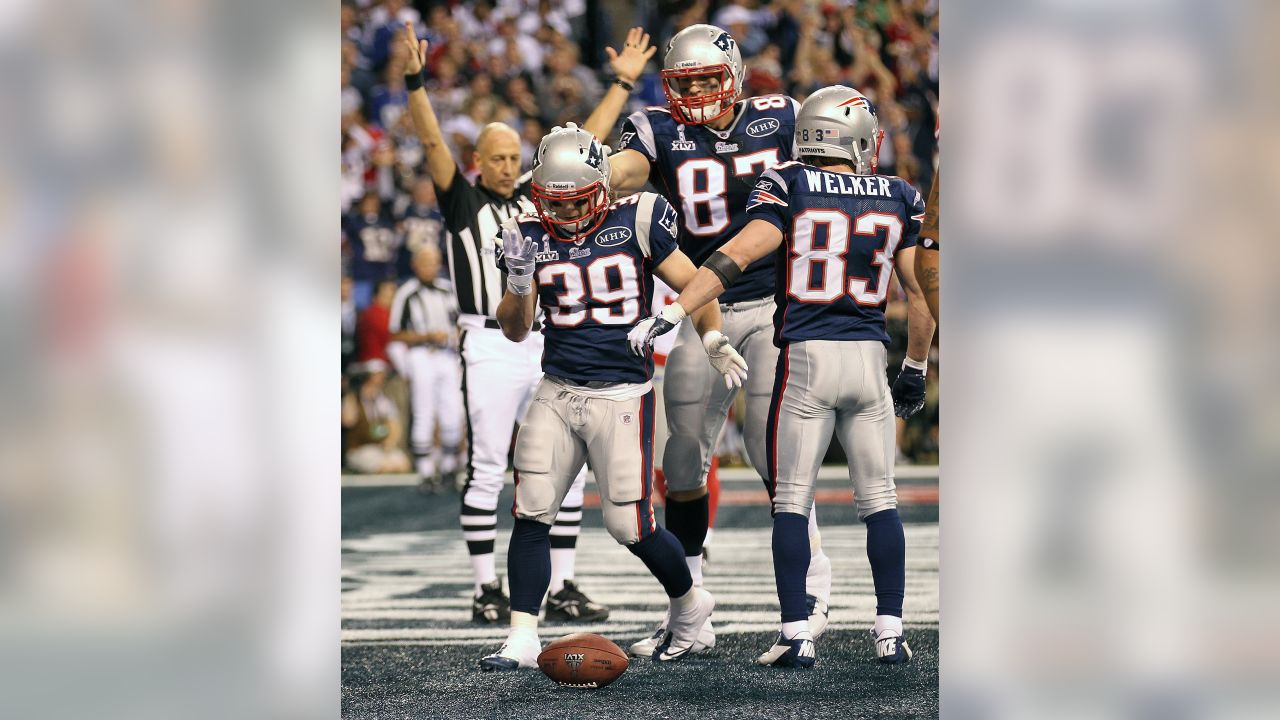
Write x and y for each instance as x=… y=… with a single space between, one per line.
x=682 y=143
x=612 y=236
x=546 y=253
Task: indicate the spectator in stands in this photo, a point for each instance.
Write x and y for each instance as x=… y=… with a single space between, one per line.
x=372 y=423
x=374 y=244
x=373 y=329
x=420 y=221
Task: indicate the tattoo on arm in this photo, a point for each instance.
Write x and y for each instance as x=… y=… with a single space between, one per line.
x=928 y=279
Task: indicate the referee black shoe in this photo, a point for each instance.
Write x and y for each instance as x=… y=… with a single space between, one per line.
x=491 y=606
x=573 y=605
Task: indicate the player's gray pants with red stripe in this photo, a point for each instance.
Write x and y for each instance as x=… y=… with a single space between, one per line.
x=697 y=401
x=566 y=427
x=826 y=387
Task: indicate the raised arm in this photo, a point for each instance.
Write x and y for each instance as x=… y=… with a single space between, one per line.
x=627 y=66
x=440 y=163
x=629 y=171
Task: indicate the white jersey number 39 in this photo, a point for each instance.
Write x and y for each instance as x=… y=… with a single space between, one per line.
x=570 y=308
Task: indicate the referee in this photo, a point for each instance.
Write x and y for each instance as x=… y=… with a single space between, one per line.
x=498 y=376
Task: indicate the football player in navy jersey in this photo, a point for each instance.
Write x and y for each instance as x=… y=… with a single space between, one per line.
x=838 y=231
x=703 y=153
x=590 y=266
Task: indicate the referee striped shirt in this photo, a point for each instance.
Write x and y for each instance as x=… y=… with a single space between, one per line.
x=473 y=218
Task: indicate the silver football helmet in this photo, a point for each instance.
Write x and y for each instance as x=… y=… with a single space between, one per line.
x=839 y=122
x=570 y=184
x=696 y=51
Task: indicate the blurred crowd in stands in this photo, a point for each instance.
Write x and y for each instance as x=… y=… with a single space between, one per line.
x=534 y=64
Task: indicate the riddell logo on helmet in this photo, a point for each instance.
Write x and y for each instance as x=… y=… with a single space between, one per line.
x=559 y=186
x=613 y=236
x=763 y=127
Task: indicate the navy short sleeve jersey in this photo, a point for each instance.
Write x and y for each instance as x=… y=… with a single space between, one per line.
x=707 y=174
x=841 y=236
x=594 y=291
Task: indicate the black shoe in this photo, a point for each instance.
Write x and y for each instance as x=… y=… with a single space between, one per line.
x=429 y=485
x=572 y=605
x=492 y=605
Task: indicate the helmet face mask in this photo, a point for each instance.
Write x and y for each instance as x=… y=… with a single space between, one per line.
x=697 y=53
x=571 y=214
x=570 y=184
x=691 y=109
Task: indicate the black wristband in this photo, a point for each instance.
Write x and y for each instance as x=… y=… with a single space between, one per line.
x=723 y=267
x=413 y=81
x=624 y=84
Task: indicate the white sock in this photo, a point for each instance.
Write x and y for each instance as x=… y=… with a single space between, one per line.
x=684 y=602
x=707 y=543
x=695 y=568
x=818 y=580
x=888 y=622
x=562 y=562
x=524 y=623
x=796 y=629
x=482 y=570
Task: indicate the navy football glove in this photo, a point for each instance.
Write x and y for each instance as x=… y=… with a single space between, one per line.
x=908 y=392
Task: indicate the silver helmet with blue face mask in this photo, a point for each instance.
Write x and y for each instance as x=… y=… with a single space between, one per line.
x=839 y=122
x=570 y=183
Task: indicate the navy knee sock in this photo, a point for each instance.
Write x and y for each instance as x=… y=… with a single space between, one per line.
x=529 y=565
x=660 y=552
x=887 y=551
x=791 y=563
x=688 y=520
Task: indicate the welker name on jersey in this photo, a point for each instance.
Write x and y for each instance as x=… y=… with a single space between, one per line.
x=841 y=234
x=595 y=290
x=708 y=174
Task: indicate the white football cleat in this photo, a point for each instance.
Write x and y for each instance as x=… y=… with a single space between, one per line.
x=519 y=651
x=644 y=648
x=891 y=648
x=790 y=653
x=819 y=616
x=686 y=627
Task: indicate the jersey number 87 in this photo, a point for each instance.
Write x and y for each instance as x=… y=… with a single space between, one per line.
x=705 y=210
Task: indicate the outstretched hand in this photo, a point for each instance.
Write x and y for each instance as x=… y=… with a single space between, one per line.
x=628 y=65
x=417 y=50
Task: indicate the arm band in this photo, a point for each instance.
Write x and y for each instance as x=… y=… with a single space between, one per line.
x=624 y=84
x=724 y=268
x=413 y=81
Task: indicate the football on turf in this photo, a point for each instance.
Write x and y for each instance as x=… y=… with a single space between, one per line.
x=583 y=660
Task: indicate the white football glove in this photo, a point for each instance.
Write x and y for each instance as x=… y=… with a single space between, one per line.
x=725 y=359
x=518 y=252
x=643 y=334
